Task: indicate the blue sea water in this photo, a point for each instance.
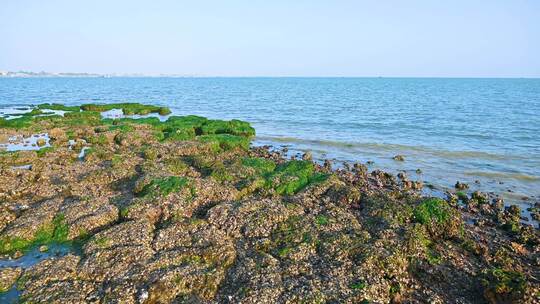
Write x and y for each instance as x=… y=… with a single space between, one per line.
x=485 y=130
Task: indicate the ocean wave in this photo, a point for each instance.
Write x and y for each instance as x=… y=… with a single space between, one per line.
x=393 y=148
x=504 y=175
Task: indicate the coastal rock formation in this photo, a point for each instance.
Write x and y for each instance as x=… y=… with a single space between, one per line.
x=184 y=211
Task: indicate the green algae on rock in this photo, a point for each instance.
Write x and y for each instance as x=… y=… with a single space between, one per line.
x=127 y=108
x=164 y=186
x=503 y=286
x=56 y=231
x=183 y=209
x=58 y=107
x=438 y=217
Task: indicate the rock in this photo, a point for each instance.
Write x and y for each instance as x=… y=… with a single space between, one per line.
x=41 y=142
x=31 y=220
x=482 y=198
x=43 y=248
x=418 y=185
x=360 y=168
x=56 y=281
x=399 y=158
x=461 y=186
x=327 y=165
x=407 y=184
x=58 y=134
x=535 y=214
x=514 y=210
x=498 y=204
x=8 y=277
x=87 y=215
x=307 y=156
x=211 y=226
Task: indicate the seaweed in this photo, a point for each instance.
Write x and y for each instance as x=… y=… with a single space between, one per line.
x=16 y=123
x=224 y=142
x=127 y=108
x=438 y=217
x=293 y=176
x=58 y=107
x=43 y=151
x=234 y=127
x=503 y=284
x=56 y=231
x=164 y=186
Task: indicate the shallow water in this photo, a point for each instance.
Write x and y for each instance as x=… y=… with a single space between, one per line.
x=20 y=143
x=34 y=256
x=29 y=259
x=483 y=130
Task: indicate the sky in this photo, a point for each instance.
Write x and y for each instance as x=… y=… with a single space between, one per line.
x=414 y=38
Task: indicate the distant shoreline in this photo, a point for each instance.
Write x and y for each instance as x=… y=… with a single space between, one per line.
x=25 y=74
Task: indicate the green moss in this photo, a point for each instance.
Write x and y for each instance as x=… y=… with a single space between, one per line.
x=321 y=220
x=164 y=111
x=56 y=231
x=122 y=128
x=287 y=236
x=511 y=225
x=432 y=256
x=259 y=166
x=32 y=113
x=83 y=115
x=179 y=133
x=117 y=160
x=358 y=285
x=176 y=166
x=70 y=134
x=124 y=211
x=511 y=284
x=127 y=108
x=58 y=107
x=186 y=121
x=43 y=151
x=164 y=186
x=438 y=217
x=224 y=142
x=98 y=140
x=287 y=178
x=153 y=121
x=80 y=119
x=291 y=177
x=149 y=153
x=432 y=210
x=462 y=196
x=234 y=127
x=16 y=123
x=102 y=242
x=201 y=163
x=221 y=174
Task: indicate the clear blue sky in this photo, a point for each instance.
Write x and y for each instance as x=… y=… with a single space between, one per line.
x=493 y=38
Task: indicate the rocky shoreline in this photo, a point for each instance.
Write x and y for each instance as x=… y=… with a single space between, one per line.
x=182 y=210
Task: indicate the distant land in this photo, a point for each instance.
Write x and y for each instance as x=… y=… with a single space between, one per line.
x=66 y=74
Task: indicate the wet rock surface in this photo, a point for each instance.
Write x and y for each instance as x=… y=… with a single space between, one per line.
x=183 y=211
x=8 y=277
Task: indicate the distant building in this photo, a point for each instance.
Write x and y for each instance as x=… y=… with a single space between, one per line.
x=3 y=73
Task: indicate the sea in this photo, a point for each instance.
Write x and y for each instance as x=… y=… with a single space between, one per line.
x=483 y=132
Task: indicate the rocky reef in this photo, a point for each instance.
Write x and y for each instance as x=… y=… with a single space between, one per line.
x=182 y=210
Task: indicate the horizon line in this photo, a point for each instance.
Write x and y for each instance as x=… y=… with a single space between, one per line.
x=45 y=74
